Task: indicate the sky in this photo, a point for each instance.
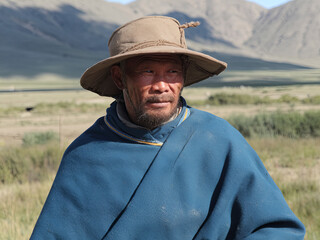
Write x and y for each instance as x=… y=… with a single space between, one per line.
x=264 y=3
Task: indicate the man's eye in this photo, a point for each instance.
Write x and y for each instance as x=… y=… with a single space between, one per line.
x=174 y=71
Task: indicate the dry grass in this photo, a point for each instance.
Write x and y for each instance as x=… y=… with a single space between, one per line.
x=293 y=163
x=70 y=125
x=20 y=206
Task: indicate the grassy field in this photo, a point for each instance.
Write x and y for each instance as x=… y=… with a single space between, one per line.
x=32 y=142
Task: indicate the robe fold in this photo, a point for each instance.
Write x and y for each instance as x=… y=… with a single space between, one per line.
x=193 y=178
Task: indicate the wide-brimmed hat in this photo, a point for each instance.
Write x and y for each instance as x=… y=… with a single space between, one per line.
x=149 y=35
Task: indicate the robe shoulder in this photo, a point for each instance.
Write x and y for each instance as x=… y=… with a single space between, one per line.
x=95 y=180
x=95 y=133
x=256 y=206
x=214 y=127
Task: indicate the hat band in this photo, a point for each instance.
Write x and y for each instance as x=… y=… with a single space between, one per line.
x=151 y=44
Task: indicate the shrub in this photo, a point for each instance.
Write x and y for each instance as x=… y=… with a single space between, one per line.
x=11 y=110
x=35 y=138
x=291 y=124
x=236 y=99
x=37 y=158
x=311 y=126
x=61 y=107
x=312 y=100
x=29 y=163
x=245 y=99
x=287 y=99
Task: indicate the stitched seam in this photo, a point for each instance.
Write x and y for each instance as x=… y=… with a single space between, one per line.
x=129 y=137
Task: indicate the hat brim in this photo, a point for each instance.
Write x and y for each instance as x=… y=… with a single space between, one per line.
x=98 y=78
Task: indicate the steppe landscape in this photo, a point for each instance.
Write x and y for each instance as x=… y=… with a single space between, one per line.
x=270 y=91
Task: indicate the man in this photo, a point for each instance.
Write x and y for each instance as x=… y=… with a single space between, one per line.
x=153 y=167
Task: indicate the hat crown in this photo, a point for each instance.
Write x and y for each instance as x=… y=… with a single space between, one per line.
x=147 y=32
x=149 y=35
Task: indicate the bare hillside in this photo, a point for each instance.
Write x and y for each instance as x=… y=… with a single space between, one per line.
x=67 y=36
x=289 y=31
x=228 y=20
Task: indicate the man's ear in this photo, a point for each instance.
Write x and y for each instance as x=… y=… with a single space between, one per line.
x=116 y=74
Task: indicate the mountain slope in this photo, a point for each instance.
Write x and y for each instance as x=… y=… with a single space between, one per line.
x=289 y=31
x=56 y=36
x=229 y=20
x=67 y=36
x=68 y=23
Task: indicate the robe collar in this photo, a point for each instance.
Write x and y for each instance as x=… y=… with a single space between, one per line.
x=118 y=123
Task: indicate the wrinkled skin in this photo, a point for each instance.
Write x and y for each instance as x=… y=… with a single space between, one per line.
x=151 y=86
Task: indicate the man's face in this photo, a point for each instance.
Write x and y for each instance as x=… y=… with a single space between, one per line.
x=151 y=87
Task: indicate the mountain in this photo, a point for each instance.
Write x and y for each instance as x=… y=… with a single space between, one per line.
x=71 y=23
x=67 y=36
x=228 y=20
x=289 y=31
x=38 y=36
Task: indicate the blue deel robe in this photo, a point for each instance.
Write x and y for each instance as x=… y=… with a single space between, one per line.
x=193 y=178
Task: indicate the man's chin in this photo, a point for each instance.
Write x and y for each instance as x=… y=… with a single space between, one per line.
x=154 y=118
x=160 y=113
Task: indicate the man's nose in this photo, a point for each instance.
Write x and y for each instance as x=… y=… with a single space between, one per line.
x=160 y=83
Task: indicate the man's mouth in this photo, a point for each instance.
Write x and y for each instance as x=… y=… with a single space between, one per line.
x=156 y=99
x=159 y=102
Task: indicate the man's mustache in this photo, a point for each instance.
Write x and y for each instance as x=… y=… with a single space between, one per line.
x=156 y=99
